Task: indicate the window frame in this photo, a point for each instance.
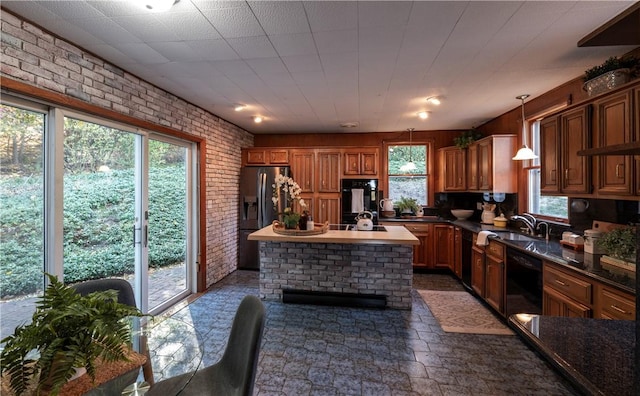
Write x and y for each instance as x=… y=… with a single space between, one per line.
x=429 y=180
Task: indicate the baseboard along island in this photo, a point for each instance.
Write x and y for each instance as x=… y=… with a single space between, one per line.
x=338 y=266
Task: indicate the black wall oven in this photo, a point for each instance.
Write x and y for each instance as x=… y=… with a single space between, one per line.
x=524 y=283
x=357 y=195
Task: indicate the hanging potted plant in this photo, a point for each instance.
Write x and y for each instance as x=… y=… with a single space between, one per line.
x=610 y=74
x=68 y=331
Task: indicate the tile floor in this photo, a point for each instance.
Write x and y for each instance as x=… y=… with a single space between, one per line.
x=319 y=350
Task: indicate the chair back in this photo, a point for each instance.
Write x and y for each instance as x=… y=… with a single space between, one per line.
x=240 y=359
x=124 y=289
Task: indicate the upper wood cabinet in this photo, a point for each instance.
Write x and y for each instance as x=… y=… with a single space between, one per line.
x=491 y=166
x=329 y=171
x=561 y=137
x=549 y=159
x=612 y=116
x=636 y=112
x=472 y=167
x=262 y=156
x=453 y=169
x=302 y=169
x=359 y=162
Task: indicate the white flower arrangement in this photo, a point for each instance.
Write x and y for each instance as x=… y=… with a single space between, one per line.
x=289 y=187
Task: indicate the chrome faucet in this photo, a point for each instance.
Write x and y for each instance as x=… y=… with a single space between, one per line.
x=531 y=226
x=532 y=219
x=547 y=229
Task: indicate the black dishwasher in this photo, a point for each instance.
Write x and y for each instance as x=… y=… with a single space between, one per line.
x=524 y=283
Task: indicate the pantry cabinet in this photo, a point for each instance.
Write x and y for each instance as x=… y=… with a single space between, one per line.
x=329 y=171
x=303 y=168
x=612 y=119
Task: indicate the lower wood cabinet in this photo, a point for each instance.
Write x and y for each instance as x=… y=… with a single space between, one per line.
x=457 y=252
x=567 y=293
x=422 y=253
x=494 y=293
x=443 y=252
x=436 y=248
x=328 y=209
x=477 y=269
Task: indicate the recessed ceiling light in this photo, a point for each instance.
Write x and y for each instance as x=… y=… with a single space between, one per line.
x=257 y=119
x=434 y=100
x=349 y=125
x=157 y=5
x=423 y=115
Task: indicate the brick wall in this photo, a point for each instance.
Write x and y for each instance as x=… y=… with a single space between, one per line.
x=343 y=268
x=35 y=57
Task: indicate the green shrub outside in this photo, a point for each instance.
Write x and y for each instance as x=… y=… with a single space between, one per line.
x=98 y=226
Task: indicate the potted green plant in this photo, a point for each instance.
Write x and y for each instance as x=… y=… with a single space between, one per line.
x=466 y=138
x=68 y=331
x=620 y=245
x=610 y=74
x=407 y=205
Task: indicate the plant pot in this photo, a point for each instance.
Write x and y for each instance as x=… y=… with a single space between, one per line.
x=617 y=265
x=607 y=81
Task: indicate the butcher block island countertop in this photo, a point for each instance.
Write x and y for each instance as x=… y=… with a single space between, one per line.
x=393 y=235
x=357 y=268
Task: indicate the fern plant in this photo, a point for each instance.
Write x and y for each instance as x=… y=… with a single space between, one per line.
x=67 y=331
x=613 y=63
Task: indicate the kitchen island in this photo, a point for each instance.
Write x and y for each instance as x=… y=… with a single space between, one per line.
x=338 y=266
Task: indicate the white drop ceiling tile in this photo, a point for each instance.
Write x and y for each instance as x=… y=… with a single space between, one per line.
x=336 y=41
x=253 y=47
x=147 y=29
x=141 y=53
x=107 y=30
x=302 y=63
x=267 y=66
x=331 y=15
x=310 y=78
x=383 y=13
x=118 y=8
x=35 y=10
x=435 y=15
x=386 y=40
x=71 y=30
x=189 y=26
x=280 y=17
x=218 y=4
x=176 y=51
x=111 y=54
x=234 y=22
x=80 y=9
x=233 y=68
x=213 y=50
x=345 y=64
x=293 y=44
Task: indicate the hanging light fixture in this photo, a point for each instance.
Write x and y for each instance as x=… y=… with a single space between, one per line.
x=409 y=166
x=525 y=153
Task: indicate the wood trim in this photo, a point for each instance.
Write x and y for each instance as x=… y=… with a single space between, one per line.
x=57 y=99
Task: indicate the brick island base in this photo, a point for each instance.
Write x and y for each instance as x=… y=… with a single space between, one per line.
x=364 y=269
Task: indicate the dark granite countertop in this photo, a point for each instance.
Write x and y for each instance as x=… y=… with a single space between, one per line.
x=597 y=355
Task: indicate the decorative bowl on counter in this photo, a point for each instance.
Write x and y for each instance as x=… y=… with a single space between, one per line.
x=462 y=214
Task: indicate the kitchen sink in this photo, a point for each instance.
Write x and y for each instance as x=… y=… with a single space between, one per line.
x=514 y=236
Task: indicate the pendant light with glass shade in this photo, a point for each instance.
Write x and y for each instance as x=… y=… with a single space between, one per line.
x=525 y=153
x=409 y=166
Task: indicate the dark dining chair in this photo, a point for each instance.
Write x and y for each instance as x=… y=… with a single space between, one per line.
x=126 y=297
x=234 y=374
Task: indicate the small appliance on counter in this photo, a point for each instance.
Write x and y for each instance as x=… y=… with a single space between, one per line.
x=573 y=241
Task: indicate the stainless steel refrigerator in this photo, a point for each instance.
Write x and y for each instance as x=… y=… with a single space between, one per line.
x=256 y=209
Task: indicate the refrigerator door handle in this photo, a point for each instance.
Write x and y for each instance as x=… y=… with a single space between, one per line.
x=261 y=200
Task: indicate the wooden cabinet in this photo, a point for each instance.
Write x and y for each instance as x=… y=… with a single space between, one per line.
x=472 y=167
x=262 y=156
x=494 y=291
x=561 y=137
x=328 y=210
x=453 y=169
x=457 y=252
x=443 y=252
x=613 y=126
x=329 y=171
x=302 y=169
x=636 y=112
x=575 y=135
x=614 y=304
x=358 y=162
x=477 y=269
x=565 y=293
x=490 y=166
x=549 y=158
x=422 y=254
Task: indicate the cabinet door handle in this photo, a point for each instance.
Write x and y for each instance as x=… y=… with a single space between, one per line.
x=618 y=166
x=566 y=174
x=561 y=283
x=622 y=311
x=552 y=174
